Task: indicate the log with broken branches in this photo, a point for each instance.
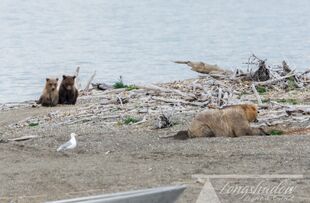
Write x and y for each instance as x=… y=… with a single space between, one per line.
x=273 y=74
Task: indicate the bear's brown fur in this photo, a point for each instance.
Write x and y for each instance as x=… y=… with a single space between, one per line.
x=68 y=93
x=50 y=95
x=230 y=121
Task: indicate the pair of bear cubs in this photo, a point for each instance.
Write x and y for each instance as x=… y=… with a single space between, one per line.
x=67 y=93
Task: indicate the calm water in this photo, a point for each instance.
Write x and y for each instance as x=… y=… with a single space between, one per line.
x=139 y=39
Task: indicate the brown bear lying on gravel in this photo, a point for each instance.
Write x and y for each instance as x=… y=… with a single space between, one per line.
x=49 y=96
x=230 y=121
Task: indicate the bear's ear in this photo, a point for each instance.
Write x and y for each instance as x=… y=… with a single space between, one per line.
x=57 y=79
x=64 y=77
x=74 y=77
x=47 y=79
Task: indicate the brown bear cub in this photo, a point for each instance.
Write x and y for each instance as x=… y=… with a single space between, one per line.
x=230 y=121
x=50 y=95
x=68 y=93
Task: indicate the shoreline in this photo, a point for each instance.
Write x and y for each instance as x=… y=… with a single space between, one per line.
x=191 y=95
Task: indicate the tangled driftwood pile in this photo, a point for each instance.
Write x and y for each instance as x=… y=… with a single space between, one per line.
x=158 y=105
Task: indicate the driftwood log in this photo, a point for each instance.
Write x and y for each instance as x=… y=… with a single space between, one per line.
x=23 y=138
x=102 y=86
x=202 y=67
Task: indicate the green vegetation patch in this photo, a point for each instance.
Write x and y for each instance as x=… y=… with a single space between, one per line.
x=261 y=89
x=291 y=83
x=120 y=84
x=130 y=120
x=33 y=124
x=288 y=101
x=132 y=87
x=276 y=132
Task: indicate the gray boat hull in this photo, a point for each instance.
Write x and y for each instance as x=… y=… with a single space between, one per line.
x=153 y=195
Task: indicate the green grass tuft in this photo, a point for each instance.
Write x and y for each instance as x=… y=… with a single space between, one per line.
x=119 y=85
x=291 y=83
x=276 y=132
x=33 y=124
x=130 y=120
x=261 y=89
x=131 y=87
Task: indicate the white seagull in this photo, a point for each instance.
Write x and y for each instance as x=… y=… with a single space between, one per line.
x=71 y=144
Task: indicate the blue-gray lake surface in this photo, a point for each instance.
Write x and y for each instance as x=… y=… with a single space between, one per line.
x=139 y=39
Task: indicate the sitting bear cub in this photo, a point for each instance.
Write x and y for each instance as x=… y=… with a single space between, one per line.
x=49 y=96
x=68 y=94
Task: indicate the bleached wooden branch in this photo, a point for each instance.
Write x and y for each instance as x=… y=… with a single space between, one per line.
x=23 y=138
x=270 y=82
x=89 y=81
x=77 y=71
x=120 y=101
x=175 y=101
x=275 y=75
x=77 y=79
x=259 y=100
x=140 y=122
x=161 y=89
x=281 y=105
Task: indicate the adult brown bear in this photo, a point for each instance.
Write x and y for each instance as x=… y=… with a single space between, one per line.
x=230 y=121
